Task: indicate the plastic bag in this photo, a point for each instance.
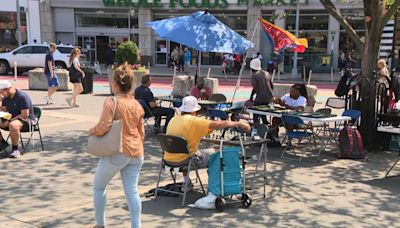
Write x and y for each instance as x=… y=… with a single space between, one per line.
x=206 y=202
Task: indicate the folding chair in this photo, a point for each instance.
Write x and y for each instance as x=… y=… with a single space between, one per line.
x=218 y=97
x=322 y=126
x=176 y=145
x=35 y=127
x=262 y=132
x=217 y=114
x=335 y=102
x=147 y=115
x=299 y=133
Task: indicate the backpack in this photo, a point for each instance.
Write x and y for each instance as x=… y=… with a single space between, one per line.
x=343 y=87
x=350 y=143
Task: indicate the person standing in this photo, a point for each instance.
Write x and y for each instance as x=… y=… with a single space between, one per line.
x=19 y=105
x=342 y=61
x=129 y=162
x=188 y=58
x=349 y=61
x=52 y=79
x=262 y=87
x=175 y=57
x=75 y=76
x=181 y=61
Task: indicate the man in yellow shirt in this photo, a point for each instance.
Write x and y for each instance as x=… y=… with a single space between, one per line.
x=193 y=128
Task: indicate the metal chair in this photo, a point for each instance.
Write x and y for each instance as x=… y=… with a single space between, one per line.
x=262 y=132
x=35 y=127
x=335 y=102
x=218 y=97
x=299 y=133
x=217 y=114
x=322 y=126
x=176 y=145
x=147 y=114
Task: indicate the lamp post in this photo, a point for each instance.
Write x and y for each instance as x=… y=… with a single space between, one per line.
x=294 y=69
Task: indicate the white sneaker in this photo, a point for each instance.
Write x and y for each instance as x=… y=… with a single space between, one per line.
x=51 y=101
x=15 y=154
x=46 y=99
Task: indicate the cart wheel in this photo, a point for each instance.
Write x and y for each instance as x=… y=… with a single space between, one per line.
x=220 y=204
x=246 y=200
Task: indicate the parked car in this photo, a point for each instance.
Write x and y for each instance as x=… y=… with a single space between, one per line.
x=33 y=55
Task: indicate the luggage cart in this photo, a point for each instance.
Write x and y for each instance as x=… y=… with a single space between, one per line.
x=227 y=168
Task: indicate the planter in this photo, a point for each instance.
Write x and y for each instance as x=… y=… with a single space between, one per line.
x=137 y=80
x=182 y=85
x=38 y=81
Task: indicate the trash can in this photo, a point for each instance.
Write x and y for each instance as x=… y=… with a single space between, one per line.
x=87 y=81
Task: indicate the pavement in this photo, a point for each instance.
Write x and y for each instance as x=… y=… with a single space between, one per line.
x=53 y=188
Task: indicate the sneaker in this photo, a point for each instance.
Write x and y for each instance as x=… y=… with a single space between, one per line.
x=3 y=144
x=46 y=99
x=51 y=101
x=68 y=100
x=76 y=106
x=15 y=154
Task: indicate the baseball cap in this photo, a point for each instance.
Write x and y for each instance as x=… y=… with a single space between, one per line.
x=4 y=84
x=189 y=104
x=255 y=64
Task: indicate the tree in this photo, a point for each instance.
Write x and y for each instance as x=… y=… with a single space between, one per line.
x=127 y=52
x=376 y=15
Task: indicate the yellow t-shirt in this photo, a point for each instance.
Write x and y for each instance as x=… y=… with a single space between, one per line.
x=191 y=128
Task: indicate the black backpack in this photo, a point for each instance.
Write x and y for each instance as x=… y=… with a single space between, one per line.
x=343 y=86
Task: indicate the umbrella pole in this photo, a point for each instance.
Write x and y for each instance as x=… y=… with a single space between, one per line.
x=197 y=68
x=244 y=62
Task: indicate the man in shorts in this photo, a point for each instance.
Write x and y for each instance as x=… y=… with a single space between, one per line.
x=19 y=105
x=193 y=128
x=52 y=78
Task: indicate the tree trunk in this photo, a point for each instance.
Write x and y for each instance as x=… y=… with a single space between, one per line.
x=369 y=63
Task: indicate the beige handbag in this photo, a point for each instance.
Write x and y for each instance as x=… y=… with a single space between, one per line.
x=111 y=142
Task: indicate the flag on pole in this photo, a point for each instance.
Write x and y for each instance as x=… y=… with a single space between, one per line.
x=281 y=39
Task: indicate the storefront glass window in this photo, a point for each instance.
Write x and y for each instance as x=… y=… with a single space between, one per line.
x=105 y=18
x=8 y=30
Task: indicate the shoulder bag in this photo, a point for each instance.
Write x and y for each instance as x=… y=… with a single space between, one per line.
x=111 y=142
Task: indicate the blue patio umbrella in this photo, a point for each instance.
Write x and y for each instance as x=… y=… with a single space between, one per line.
x=203 y=32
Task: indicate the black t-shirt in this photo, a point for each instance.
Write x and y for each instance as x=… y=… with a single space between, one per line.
x=19 y=102
x=144 y=93
x=49 y=57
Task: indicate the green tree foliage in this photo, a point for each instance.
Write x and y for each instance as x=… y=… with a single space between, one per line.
x=127 y=52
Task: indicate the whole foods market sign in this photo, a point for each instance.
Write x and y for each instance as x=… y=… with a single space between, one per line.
x=195 y=3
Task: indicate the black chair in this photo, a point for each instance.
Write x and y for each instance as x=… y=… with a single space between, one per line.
x=177 y=145
x=218 y=97
x=35 y=127
x=147 y=114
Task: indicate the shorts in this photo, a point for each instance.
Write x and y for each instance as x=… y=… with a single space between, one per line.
x=26 y=124
x=52 y=82
x=75 y=79
x=202 y=157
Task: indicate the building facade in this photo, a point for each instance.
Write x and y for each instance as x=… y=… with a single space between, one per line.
x=96 y=24
x=30 y=23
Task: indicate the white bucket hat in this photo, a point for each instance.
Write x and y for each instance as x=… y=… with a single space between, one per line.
x=189 y=104
x=5 y=84
x=255 y=64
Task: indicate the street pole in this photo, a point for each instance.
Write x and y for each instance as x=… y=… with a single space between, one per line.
x=19 y=23
x=294 y=69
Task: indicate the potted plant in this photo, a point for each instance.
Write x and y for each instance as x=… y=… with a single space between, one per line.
x=128 y=52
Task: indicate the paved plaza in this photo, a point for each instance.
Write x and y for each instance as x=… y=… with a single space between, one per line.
x=53 y=188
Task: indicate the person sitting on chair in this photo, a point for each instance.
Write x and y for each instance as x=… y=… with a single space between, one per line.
x=200 y=91
x=19 y=105
x=143 y=92
x=292 y=100
x=184 y=125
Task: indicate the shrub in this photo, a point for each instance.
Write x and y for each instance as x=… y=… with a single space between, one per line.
x=127 y=52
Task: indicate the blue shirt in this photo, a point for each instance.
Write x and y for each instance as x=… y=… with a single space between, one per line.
x=188 y=56
x=144 y=93
x=19 y=102
x=49 y=57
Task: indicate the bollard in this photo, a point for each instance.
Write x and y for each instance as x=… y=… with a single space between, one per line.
x=332 y=75
x=309 y=77
x=15 y=70
x=273 y=75
x=208 y=74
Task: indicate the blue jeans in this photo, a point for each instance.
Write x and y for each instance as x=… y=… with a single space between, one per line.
x=105 y=171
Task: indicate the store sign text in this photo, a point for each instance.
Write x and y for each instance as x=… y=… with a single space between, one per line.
x=195 y=3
